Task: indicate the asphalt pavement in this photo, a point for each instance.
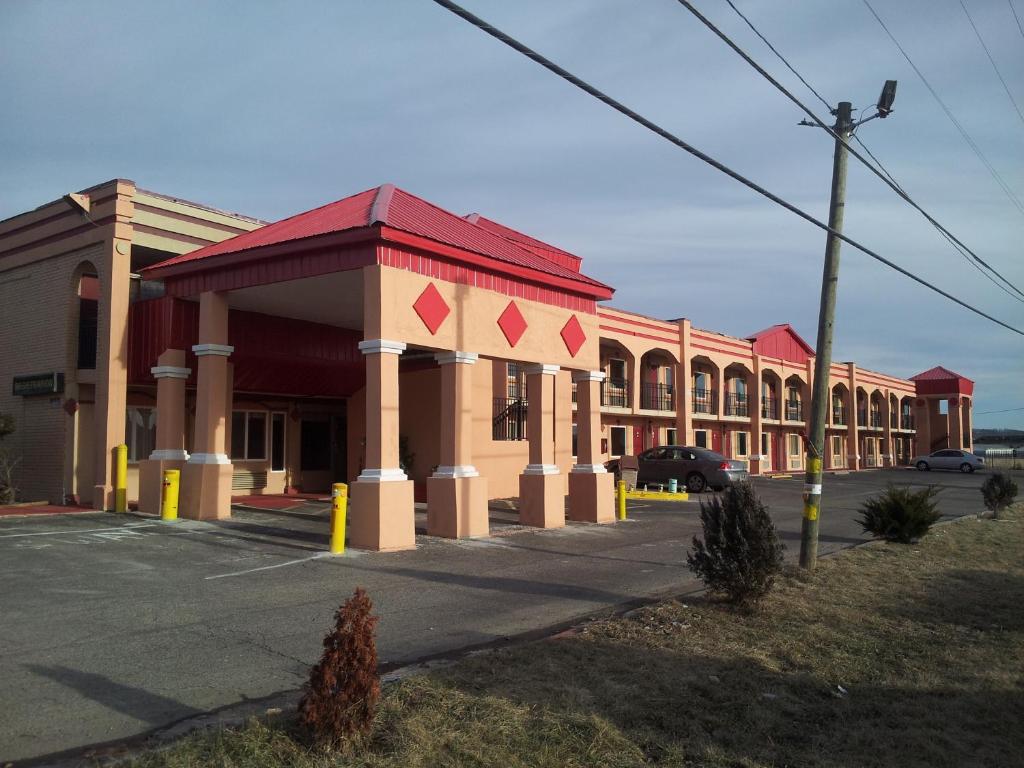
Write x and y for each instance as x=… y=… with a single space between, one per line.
x=112 y=626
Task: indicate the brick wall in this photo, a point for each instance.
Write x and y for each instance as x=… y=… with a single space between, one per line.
x=39 y=334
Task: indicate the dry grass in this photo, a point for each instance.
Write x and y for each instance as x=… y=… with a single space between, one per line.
x=889 y=655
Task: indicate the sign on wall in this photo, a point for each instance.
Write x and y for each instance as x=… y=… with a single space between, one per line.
x=38 y=384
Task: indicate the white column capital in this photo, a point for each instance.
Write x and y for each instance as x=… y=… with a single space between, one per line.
x=542 y=369
x=588 y=469
x=578 y=376
x=169 y=454
x=389 y=475
x=461 y=470
x=381 y=346
x=541 y=469
x=448 y=358
x=169 y=372
x=222 y=350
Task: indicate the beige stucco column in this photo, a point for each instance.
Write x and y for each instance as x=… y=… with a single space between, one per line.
x=684 y=387
x=169 y=452
x=922 y=427
x=541 y=485
x=591 y=486
x=968 y=418
x=111 y=361
x=889 y=457
x=757 y=462
x=382 y=515
x=206 y=477
x=456 y=494
x=956 y=423
x=853 y=458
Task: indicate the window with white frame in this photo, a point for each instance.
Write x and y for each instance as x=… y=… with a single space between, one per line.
x=670 y=436
x=248 y=435
x=618 y=441
x=795 y=450
x=702 y=438
x=140 y=432
x=740 y=445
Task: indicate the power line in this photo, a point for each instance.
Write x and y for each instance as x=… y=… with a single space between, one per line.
x=992 y=61
x=672 y=138
x=952 y=118
x=1007 y=410
x=1016 y=17
x=888 y=178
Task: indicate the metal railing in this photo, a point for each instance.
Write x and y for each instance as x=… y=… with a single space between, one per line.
x=736 y=404
x=862 y=417
x=875 y=420
x=907 y=422
x=794 y=410
x=769 y=407
x=509 y=418
x=615 y=393
x=704 y=401
x=657 y=397
x=839 y=414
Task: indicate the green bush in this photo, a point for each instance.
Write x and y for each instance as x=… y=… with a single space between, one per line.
x=998 y=492
x=740 y=554
x=900 y=514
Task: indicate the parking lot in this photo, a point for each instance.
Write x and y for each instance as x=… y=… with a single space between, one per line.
x=116 y=625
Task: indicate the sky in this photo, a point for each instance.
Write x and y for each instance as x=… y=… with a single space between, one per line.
x=271 y=108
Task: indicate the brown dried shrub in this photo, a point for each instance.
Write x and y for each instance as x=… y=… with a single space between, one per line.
x=341 y=696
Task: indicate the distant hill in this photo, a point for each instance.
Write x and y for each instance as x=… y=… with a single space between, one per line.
x=1015 y=436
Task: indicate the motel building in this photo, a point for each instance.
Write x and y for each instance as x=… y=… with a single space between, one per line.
x=419 y=355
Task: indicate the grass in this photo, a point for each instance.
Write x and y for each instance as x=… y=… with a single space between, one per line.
x=888 y=655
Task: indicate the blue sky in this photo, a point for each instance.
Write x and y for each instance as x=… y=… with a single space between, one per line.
x=271 y=108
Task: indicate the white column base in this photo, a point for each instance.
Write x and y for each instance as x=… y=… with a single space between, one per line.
x=390 y=475
x=541 y=469
x=169 y=454
x=589 y=469
x=459 y=470
x=209 y=458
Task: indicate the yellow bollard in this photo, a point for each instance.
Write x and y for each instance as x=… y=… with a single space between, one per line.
x=121 y=479
x=339 y=510
x=620 y=498
x=169 y=498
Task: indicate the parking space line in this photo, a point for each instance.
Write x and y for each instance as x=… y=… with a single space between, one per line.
x=268 y=567
x=76 y=532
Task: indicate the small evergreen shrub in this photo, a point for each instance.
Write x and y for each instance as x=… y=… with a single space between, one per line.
x=740 y=554
x=900 y=514
x=341 y=696
x=998 y=492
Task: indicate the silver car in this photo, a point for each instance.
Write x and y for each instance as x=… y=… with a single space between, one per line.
x=949 y=458
x=696 y=468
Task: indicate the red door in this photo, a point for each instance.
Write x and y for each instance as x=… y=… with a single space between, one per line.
x=638 y=440
x=778 y=445
x=716 y=441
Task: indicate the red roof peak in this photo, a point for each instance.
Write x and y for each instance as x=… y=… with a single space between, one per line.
x=937 y=373
x=760 y=340
x=394 y=208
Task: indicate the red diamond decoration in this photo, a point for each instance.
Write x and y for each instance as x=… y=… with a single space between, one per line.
x=512 y=323
x=573 y=336
x=431 y=308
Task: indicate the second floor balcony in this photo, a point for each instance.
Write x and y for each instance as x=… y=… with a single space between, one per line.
x=794 y=410
x=657 y=397
x=839 y=415
x=907 y=422
x=736 y=404
x=615 y=393
x=769 y=407
x=704 y=401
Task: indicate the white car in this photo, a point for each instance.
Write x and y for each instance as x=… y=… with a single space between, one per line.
x=949 y=458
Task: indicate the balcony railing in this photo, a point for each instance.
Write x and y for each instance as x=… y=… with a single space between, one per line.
x=875 y=420
x=839 y=415
x=704 y=401
x=657 y=397
x=769 y=407
x=509 y=418
x=794 y=410
x=862 y=417
x=736 y=404
x=907 y=422
x=615 y=393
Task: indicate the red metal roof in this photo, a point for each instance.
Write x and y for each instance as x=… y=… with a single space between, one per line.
x=539 y=247
x=391 y=207
x=938 y=373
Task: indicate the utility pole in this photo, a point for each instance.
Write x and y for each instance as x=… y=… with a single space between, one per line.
x=821 y=392
x=823 y=349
